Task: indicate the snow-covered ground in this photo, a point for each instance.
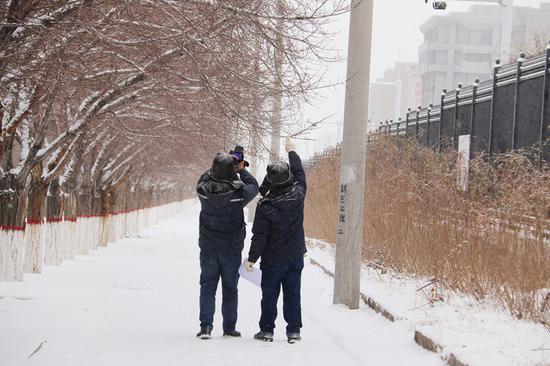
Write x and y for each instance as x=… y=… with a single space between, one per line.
x=135 y=303
x=476 y=333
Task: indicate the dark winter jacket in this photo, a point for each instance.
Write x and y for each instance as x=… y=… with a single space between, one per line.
x=222 y=226
x=278 y=231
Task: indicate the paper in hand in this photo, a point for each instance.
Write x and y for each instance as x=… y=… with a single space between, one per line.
x=254 y=277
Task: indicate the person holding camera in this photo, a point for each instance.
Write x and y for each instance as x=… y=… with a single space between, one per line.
x=278 y=238
x=223 y=191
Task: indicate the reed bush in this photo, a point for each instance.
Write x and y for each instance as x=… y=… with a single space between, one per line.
x=490 y=242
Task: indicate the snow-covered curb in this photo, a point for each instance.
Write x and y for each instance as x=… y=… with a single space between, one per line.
x=462 y=331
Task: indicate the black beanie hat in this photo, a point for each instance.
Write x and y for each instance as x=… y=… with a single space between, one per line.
x=223 y=167
x=279 y=175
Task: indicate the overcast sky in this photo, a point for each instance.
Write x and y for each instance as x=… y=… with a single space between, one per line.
x=396 y=37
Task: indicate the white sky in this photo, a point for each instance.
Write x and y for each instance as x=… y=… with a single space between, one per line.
x=396 y=37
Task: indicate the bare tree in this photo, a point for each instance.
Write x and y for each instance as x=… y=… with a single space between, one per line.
x=102 y=99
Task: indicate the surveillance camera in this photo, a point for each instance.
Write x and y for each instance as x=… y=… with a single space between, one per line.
x=439 y=5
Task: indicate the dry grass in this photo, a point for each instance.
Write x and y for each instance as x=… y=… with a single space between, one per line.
x=488 y=243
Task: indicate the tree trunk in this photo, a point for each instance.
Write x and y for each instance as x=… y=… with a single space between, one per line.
x=70 y=243
x=53 y=253
x=95 y=203
x=133 y=219
x=88 y=222
x=254 y=162
x=104 y=215
x=277 y=117
x=34 y=231
x=12 y=230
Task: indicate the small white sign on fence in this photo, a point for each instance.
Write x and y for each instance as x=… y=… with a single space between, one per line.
x=463 y=163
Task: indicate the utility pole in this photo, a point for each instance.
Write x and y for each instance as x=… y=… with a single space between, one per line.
x=349 y=236
x=274 y=151
x=506 y=28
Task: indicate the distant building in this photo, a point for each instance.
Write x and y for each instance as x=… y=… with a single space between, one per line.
x=390 y=96
x=462 y=46
x=382 y=96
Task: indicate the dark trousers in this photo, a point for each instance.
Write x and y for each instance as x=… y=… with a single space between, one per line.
x=212 y=268
x=288 y=276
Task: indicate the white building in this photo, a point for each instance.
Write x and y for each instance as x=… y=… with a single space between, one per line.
x=462 y=46
x=390 y=96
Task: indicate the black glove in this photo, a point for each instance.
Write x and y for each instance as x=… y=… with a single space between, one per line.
x=265 y=187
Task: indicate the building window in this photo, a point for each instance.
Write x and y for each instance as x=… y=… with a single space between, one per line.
x=483 y=38
x=462 y=35
x=478 y=57
x=443 y=34
x=431 y=35
x=459 y=57
x=439 y=57
x=475 y=37
x=486 y=38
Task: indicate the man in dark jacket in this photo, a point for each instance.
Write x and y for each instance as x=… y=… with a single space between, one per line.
x=221 y=238
x=278 y=238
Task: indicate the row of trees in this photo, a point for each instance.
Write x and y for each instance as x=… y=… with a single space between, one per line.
x=105 y=105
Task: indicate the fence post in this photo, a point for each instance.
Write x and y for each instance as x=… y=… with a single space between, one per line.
x=516 y=100
x=398 y=124
x=442 y=108
x=428 y=125
x=407 y=122
x=457 y=94
x=496 y=69
x=417 y=120
x=473 y=114
x=544 y=115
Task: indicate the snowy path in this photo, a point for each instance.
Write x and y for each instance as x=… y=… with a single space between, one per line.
x=136 y=303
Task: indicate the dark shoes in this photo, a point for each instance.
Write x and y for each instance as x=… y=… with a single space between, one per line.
x=231 y=333
x=264 y=336
x=293 y=337
x=205 y=333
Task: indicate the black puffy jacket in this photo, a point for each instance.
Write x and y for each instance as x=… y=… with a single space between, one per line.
x=278 y=231
x=222 y=226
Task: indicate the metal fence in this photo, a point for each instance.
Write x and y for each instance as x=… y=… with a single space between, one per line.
x=329 y=154
x=509 y=112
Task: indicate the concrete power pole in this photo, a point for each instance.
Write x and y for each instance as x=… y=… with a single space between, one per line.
x=274 y=151
x=506 y=29
x=349 y=238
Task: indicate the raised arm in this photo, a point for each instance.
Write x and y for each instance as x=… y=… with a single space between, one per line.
x=297 y=169
x=251 y=187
